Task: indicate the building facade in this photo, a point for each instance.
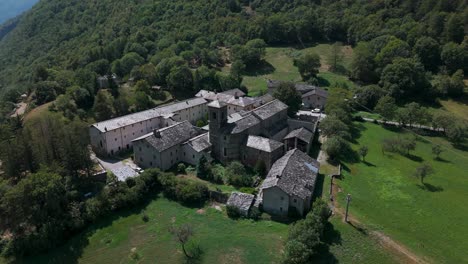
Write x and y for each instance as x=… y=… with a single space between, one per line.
x=290 y=184
x=112 y=136
x=169 y=146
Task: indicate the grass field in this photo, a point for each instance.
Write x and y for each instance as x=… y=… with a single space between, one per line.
x=221 y=239
x=430 y=219
x=279 y=66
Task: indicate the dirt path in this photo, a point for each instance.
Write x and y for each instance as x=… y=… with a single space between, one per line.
x=20 y=109
x=400 y=252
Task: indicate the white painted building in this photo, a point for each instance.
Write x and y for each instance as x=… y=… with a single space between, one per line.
x=114 y=135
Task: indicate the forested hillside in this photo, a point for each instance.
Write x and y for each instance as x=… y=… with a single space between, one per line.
x=97 y=35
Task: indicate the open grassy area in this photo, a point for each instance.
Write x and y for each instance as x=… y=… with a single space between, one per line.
x=222 y=240
x=279 y=66
x=430 y=219
x=458 y=108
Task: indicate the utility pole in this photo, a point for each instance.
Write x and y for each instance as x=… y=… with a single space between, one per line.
x=348 y=200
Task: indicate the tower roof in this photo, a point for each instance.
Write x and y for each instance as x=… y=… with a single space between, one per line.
x=217 y=104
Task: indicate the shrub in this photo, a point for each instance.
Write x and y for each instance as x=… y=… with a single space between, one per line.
x=190 y=192
x=181 y=168
x=255 y=213
x=233 y=212
x=237 y=175
x=145 y=217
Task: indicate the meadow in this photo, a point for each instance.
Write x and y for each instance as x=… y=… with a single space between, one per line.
x=125 y=238
x=279 y=66
x=428 y=218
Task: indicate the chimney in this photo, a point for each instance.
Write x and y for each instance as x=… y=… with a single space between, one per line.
x=236 y=95
x=157 y=133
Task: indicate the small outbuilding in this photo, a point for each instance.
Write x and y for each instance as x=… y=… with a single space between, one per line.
x=242 y=201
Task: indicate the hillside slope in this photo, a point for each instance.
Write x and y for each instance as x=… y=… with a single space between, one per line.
x=68 y=34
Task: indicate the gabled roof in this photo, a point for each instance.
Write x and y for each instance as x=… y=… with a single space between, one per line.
x=301 y=133
x=200 y=143
x=244 y=123
x=130 y=119
x=241 y=101
x=304 y=88
x=268 y=110
x=242 y=201
x=170 y=136
x=263 y=144
x=317 y=91
x=234 y=92
x=217 y=104
x=261 y=100
x=295 y=173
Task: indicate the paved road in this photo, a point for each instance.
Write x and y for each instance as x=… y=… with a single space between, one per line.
x=123 y=169
x=393 y=123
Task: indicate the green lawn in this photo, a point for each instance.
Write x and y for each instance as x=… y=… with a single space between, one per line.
x=280 y=66
x=222 y=240
x=430 y=220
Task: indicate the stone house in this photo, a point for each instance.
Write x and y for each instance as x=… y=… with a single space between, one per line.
x=316 y=98
x=235 y=99
x=228 y=136
x=261 y=149
x=242 y=201
x=300 y=138
x=312 y=96
x=168 y=146
x=290 y=184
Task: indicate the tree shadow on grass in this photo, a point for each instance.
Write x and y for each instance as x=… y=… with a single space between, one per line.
x=356 y=132
x=462 y=147
x=358 y=228
x=322 y=82
x=331 y=236
x=430 y=188
x=262 y=68
x=319 y=186
x=442 y=160
x=414 y=158
x=368 y=164
x=71 y=250
x=396 y=129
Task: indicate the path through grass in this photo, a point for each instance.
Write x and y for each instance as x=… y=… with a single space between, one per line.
x=430 y=219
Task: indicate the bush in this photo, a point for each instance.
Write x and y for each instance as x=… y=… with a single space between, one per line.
x=181 y=168
x=190 y=192
x=237 y=175
x=145 y=218
x=255 y=213
x=233 y=212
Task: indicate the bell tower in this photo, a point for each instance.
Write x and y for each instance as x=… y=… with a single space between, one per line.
x=218 y=120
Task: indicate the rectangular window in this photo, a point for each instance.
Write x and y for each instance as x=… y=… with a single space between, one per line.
x=225 y=152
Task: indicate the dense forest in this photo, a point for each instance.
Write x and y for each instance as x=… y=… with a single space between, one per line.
x=404 y=51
